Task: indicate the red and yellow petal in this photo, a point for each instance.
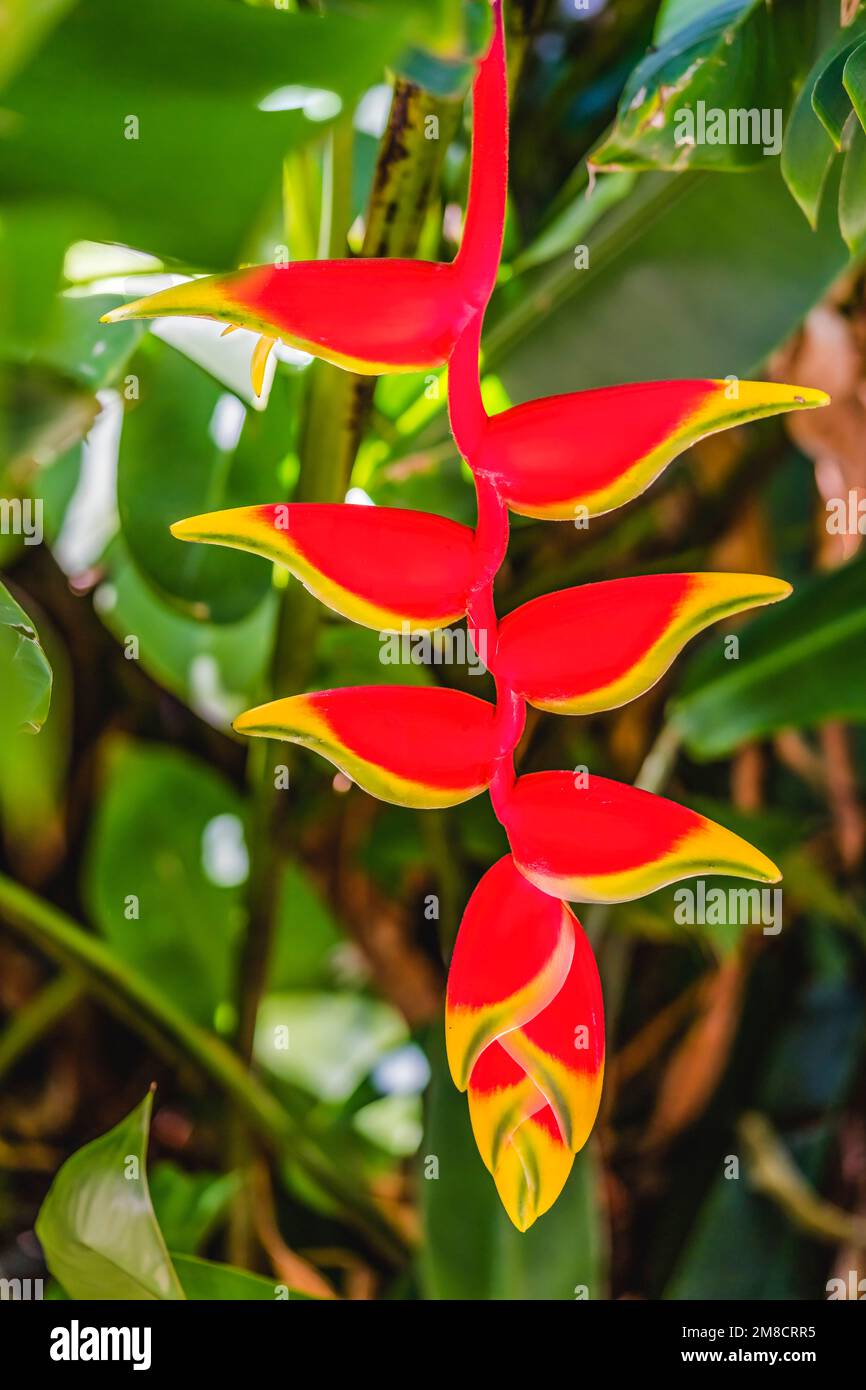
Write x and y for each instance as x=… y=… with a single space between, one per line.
x=525 y=1025
x=381 y=567
x=596 y=450
x=409 y=745
x=534 y=1169
x=533 y=1161
x=368 y=316
x=600 y=645
x=501 y=1096
x=512 y=956
x=562 y=1047
x=590 y=839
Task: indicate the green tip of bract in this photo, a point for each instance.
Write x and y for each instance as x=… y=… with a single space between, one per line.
x=202 y=297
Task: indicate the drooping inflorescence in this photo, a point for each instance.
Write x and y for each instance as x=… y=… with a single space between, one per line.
x=524 y=1018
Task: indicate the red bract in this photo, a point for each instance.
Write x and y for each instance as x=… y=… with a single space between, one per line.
x=563 y=653
x=576 y=456
x=525 y=1033
x=406 y=744
x=595 y=841
x=381 y=567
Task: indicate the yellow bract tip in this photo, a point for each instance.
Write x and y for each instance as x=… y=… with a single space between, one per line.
x=207 y=296
x=769 y=397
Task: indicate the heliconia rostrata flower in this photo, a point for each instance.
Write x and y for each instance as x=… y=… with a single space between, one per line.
x=524 y=1018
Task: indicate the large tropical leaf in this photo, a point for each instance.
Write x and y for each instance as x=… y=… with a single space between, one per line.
x=737 y=58
x=657 y=283
x=189 y=179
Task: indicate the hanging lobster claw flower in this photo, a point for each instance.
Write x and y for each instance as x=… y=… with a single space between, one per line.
x=596 y=450
x=587 y=838
x=572 y=652
x=525 y=1033
x=379 y=566
x=409 y=745
x=370 y=315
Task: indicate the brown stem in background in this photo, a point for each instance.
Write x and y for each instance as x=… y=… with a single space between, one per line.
x=848 y=818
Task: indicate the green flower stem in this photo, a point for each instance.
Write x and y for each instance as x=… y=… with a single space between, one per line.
x=142 y=1004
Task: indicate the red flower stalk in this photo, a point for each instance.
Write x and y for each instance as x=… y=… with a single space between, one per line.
x=524 y=1019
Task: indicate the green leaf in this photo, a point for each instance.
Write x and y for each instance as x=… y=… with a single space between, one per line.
x=208 y=1281
x=23 y=25
x=470 y=1249
x=799 y=664
x=393 y=1123
x=194 y=174
x=189 y=1206
x=172 y=464
x=698 y=100
x=80 y=348
x=97 y=1227
x=815 y=128
x=26 y=674
x=852 y=191
x=807 y=156
x=34 y=235
x=33 y=767
x=101 y=1237
x=661 y=298
x=676 y=15
x=165 y=862
x=216 y=668
x=854 y=78
x=830 y=101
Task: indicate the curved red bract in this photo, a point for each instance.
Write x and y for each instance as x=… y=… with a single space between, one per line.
x=383 y=567
x=368 y=316
x=589 y=839
x=524 y=1017
x=411 y=745
x=570 y=457
x=571 y=653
